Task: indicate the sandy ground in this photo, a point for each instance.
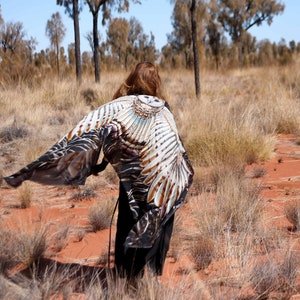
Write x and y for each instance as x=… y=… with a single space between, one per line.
x=73 y=241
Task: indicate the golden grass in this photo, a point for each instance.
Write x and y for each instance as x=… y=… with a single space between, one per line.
x=100 y=214
x=233 y=124
x=235 y=118
x=25 y=196
x=21 y=247
x=292 y=212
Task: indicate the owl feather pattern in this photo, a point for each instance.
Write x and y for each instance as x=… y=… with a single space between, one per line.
x=139 y=138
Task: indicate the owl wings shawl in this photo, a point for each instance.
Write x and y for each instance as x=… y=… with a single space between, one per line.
x=139 y=138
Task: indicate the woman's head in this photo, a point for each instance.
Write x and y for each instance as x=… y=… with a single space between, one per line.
x=143 y=80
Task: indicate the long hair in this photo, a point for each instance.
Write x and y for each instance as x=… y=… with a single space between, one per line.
x=143 y=80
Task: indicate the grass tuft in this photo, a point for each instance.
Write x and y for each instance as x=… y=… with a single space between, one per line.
x=202 y=252
x=87 y=193
x=292 y=212
x=227 y=147
x=100 y=214
x=10 y=133
x=258 y=172
x=270 y=275
x=21 y=247
x=25 y=195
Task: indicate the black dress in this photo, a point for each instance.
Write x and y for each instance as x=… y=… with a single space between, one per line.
x=130 y=262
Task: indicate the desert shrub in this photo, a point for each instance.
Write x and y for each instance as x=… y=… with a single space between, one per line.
x=115 y=288
x=8 y=245
x=100 y=214
x=86 y=193
x=202 y=252
x=11 y=290
x=272 y=275
x=80 y=234
x=21 y=248
x=286 y=125
x=25 y=195
x=149 y=288
x=237 y=201
x=90 y=97
x=232 y=203
x=258 y=171
x=264 y=278
x=32 y=247
x=44 y=281
x=15 y=72
x=58 y=239
x=227 y=147
x=289 y=77
x=10 y=133
x=292 y=212
x=57 y=119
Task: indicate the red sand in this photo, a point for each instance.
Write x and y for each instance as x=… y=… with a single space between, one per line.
x=53 y=206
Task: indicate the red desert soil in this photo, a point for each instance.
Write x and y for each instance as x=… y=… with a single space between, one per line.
x=56 y=207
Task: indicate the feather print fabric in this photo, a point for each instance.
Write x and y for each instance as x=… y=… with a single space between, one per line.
x=138 y=136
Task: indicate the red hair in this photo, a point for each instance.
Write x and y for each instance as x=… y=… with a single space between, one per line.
x=143 y=80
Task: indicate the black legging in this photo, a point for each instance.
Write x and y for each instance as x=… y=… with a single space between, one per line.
x=131 y=262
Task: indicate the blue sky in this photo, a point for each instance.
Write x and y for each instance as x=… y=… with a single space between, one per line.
x=154 y=15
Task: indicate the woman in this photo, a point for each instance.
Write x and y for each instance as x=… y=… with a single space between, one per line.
x=144 y=79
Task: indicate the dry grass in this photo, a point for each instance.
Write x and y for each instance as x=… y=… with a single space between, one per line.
x=232 y=205
x=202 y=251
x=275 y=275
x=25 y=195
x=83 y=193
x=233 y=124
x=258 y=171
x=59 y=238
x=100 y=214
x=12 y=132
x=21 y=247
x=292 y=212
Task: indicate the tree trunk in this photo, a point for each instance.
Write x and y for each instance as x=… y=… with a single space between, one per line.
x=77 y=41
x=96 y=47
x=195 y=48
x=57 y=59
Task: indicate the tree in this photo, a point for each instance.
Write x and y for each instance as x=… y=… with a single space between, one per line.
x=106 y=5
x=135 y=34
x=16 y=53
x=127 y=42
x=140 y=46
x=195 y=48
x=147 y=47
x=94 y=6
x=188 y=15
x=265 y=52
x=56 y=31
x=292 y=45
x=73 y=9
x=117 y=37
x=71 y=54
x=181 y=39
x=12 y=37
x=214 y=32
x=238 y=16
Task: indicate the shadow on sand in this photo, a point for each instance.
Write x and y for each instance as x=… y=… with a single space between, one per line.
x=59 y=275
